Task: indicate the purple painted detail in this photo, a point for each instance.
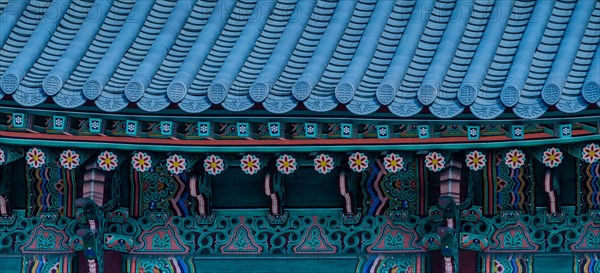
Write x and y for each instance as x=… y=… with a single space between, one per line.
x=241 y=242
x=513 y=238
x=314 y=241
x=46 y=240
x=393 y=238
x=160 y=240
x=589 y=240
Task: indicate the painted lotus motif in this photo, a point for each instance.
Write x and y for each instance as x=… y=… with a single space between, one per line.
x=141 y=162
x=393 y=163
x=552 y=157
x=358 y=162
x=514 y=159
x=107 y=161
x=286 y=164
x=176 y=164
x=250 y=164
x=476 y=160
x=434 y=161
x=591 y=153
x=69 y=159
x=214 y=165
x=323 y=163
x=35 y=158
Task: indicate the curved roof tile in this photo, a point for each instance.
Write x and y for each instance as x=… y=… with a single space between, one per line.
x=443 y=55
x=265 y=81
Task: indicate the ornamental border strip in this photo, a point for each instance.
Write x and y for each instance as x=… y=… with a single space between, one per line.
x=46 y=140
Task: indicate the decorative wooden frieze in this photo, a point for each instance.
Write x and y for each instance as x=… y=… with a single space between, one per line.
x=347 y=130
x=204 y=129
x=384 y=131
x=244 y=129
x=473 y=132
x=95 y=125
x=563 y=130
x=276 y=129
x=168 y=128
x=59 y=123
x=312 y=130
x=452 y=130
x=366 y=130
x=132 y=128
x=425 y=131
x=20 y=121
x=517 y=131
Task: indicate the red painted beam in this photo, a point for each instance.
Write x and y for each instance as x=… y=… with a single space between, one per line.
x=273 y=142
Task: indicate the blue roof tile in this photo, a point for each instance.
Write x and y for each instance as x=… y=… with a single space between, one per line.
x=442 y=55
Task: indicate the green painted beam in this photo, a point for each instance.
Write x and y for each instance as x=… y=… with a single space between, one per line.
x=590 y=115
x=297 y=148
x=276 y=264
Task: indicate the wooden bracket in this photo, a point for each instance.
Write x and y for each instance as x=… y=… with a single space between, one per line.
x=274 y=189
x=200 y=188
x=348 y=189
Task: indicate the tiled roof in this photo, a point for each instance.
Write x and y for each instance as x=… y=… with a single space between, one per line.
x=446 y=56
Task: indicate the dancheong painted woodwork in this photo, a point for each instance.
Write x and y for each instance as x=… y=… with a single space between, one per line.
x=300 y=136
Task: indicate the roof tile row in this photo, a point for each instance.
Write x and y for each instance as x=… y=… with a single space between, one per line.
x=407 y=55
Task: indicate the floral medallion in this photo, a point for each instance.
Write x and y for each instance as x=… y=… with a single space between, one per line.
x=591 y=153
x=141 y=162
x=514 y=159
x=286 y=164
x=214 y=165
x=35 y=158
x=323 y=163
x=475 y=160
x=435 y=162
x=358 y=162
x=393 y=163
x=250 y=164
x=176 y=164
x=69 y=159
x=107 y=161
x=552 y=157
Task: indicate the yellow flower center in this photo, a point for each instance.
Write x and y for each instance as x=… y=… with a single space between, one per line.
x=552 y=157
x=69 y=159
x=176 y=164
x=142 y=161
x=213 y=165
x=514 y=159
x=592 y=153
x=476 y=160
x=36 y=158
x=393 y=163
x=250 y=164
x=358 y=162
x=323 y=163
x=107 y=161
x=434 y=161
x=286 y=164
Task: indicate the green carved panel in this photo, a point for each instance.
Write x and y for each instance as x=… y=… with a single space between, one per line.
x=514 y=183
